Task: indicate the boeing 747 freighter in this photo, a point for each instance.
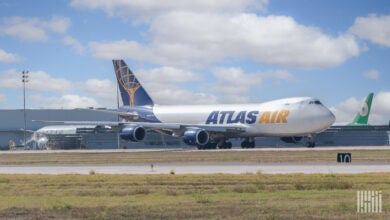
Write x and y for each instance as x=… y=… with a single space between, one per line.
x=211 y=126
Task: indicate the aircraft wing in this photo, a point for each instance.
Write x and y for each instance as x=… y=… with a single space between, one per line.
x=234 y=128
x=133 y=115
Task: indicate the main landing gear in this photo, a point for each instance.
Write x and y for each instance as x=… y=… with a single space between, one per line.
x=225 y=145
x=209 y=145
x=248 y=143
x=213 y=145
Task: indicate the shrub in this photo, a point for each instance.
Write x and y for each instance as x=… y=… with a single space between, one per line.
x=245 y=188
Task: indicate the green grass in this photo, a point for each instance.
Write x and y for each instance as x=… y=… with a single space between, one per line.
x=382 y=156
x=219 y=196
x=173 y=196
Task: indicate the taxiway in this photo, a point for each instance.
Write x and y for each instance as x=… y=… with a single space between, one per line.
x=306 y=167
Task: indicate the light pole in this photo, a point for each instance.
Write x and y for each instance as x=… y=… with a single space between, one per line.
x=117 y=103
x=24 y=80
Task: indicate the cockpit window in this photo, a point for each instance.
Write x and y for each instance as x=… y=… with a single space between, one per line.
x=315 y=102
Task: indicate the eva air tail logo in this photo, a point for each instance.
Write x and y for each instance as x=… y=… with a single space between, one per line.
x=364 y=110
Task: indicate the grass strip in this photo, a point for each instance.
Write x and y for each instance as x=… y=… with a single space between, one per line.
x=217 y=196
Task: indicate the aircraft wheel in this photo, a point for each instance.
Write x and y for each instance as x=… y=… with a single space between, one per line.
x=228 y=145
x=225 y=145
x=207 y=146
x=311 y=144
x=200 y=147
x=248 y=144
x=211 y=145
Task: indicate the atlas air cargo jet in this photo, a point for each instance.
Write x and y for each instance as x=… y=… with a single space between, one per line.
x=211 y=126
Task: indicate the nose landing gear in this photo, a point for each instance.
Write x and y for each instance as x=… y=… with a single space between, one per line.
x=310 y=141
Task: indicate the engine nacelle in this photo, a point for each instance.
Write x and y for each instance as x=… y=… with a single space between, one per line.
x=135 y=133
x=196 y=136
x=293 y=140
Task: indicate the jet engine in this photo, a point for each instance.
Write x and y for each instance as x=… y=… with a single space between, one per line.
x=196 y=136
x=293 y=140
x=134 y=133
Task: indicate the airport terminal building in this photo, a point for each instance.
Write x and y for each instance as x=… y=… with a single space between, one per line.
x=95 y=137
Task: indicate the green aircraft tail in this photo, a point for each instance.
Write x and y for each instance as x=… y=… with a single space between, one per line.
x=361 y=117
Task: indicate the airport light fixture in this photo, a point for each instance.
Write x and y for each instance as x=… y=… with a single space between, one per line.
x=24 y=80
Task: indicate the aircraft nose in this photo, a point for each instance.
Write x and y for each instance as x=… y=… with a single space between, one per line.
x=330 y=118
x=324 y=118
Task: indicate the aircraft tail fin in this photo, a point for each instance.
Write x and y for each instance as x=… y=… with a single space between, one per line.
x=132 y=92
x=361 y=117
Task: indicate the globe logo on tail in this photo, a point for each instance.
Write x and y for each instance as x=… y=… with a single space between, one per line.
x=128 y=81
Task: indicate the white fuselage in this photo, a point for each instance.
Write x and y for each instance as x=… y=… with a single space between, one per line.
x=283 y=117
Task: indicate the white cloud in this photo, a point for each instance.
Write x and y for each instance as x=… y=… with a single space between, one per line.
x=145 y=10
x=232 y=84
x=170 y=94
x=234 y=81
x=8 y=57
x=120 y=50
x=160 y=83
x=75 y=44
x=374 y=28
x=167 y=74
x=69 y=101
x=3 y=98
x=34 y=29
x=279 y=75
x=380 y=109
x=25 y=29
x=371 y=74
x=102 y=89
x=74 y=101
x=347 y=110
x=100 y=92
x=381 y=103
x=234 y=99
x=58 y=24
x=38 y=81
x=194 y=39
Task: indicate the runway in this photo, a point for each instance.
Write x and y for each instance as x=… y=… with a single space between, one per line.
x=193 y=168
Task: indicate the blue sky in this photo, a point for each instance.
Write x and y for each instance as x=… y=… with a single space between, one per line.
x=198 y=52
